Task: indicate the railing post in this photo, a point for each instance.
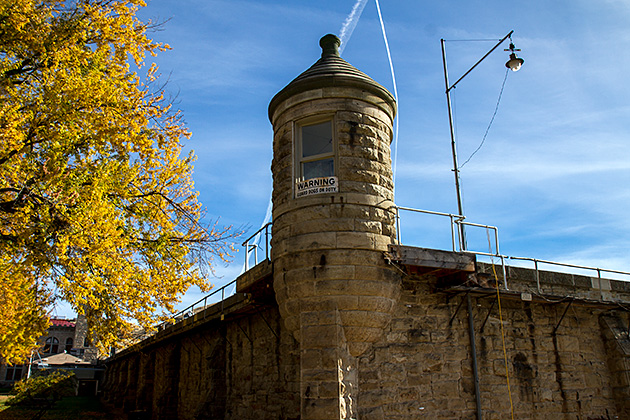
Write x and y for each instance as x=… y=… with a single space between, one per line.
x=398 y=225
x=248 y=247
x=246 y=255
x=453 y=233
x=599 y=276
x=496 y=239
x=267 y=242
x=537 y=276
x=463 y=243
x=504 y=273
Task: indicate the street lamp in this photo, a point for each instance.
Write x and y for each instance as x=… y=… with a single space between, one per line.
x=514 y=64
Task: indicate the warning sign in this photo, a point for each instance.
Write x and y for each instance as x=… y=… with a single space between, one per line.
x=314 y=186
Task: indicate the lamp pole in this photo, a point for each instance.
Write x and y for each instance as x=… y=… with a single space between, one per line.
x=514 y=64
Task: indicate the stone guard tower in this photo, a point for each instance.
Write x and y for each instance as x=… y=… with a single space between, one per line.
x=332 y=221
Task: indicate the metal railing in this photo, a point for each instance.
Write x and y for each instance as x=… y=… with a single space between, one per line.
x=253 y=247
x=197 y=307
x=453 y=217
x=581 y=267
x=456 y=243
x=456 y=221
x=202 y=303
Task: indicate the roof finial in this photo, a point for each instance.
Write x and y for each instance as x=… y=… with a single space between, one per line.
x=330 y=45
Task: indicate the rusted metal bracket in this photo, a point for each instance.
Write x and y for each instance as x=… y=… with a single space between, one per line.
x=488 y=316
x=562 y=317
x=238 y=324
x=450 y=322
x=263 y=318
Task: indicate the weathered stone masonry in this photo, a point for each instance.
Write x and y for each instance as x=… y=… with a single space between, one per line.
x=560 y=367
x=343 y=323
x=242 y=366
x=574 y=366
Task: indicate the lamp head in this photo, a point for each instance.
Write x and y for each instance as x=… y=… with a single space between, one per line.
x=514 y=63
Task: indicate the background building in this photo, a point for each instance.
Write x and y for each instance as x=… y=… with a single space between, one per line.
x=65 y=346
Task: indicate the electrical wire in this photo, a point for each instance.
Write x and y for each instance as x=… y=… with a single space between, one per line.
x=496 y=108
x=473 y=40
x=391 y=67
x=505 y=359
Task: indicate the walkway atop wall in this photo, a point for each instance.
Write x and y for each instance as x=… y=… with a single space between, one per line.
x=457 y=273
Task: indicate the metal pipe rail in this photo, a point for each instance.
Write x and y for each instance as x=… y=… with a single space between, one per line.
x=254 y=247
x=190 y=310
x=487 y=227
x=581 y=267
x=457 y=220
x=454 y=219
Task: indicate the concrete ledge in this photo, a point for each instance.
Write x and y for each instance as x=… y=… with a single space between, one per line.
x=433 y=258
x=219 y=311
x=249 y=281
x=554 y=283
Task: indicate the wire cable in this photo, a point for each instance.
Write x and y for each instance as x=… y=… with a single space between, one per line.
x=496 y=108
x=474 y=40
x=391 y=67
x=505 y=359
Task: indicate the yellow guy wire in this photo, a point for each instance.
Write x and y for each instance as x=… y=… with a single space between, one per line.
x=496 y=282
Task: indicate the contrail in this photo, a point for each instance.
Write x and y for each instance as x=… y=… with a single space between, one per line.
x=350 y=23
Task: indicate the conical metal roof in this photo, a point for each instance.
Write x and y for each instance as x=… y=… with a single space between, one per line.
x=331 y=71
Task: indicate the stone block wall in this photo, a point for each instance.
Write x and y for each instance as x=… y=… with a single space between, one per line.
x=557 y=358
x=245 y=368
x=616 y=336
x=567 y=358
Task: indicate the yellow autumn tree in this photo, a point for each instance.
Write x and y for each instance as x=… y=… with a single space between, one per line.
x=97 y=205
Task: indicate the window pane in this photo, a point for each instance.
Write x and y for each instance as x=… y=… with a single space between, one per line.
x=317 y=139
x=318 y=168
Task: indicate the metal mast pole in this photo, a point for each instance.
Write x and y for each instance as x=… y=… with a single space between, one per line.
x=460 y=206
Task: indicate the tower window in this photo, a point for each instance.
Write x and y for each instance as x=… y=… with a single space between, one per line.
x=315 y=150
x=52 y=345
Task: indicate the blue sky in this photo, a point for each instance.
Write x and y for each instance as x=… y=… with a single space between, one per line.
x=552 y=174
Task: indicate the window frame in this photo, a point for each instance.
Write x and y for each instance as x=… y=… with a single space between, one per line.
x=14 y=373
x=299 y=160
x=51 y=345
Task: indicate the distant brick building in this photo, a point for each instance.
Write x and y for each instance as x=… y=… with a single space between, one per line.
x=64 y=336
